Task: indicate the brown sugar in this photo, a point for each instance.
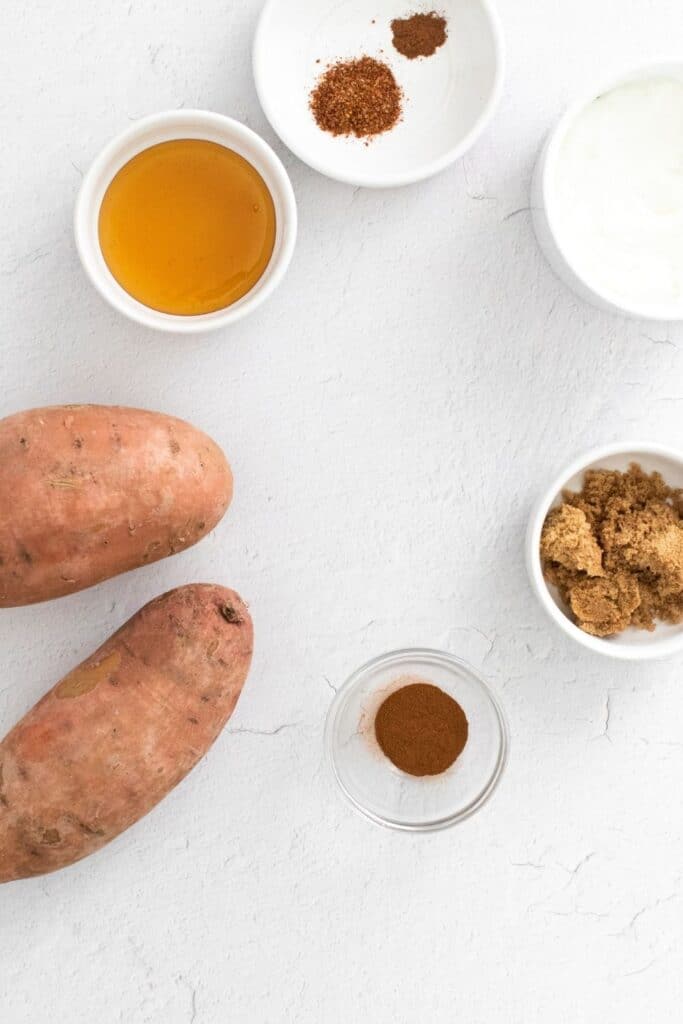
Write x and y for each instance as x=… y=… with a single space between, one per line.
x=568 y=541
x=605 y=606
x=615 y=551
x=357 y=97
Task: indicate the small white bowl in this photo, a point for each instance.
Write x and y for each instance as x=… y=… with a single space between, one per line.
x=543 y=199
x=449 y=98
x=165 y=127
x=632 y=644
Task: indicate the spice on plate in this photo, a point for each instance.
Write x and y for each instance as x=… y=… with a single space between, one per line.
x=421 y=729
x=615 y=551
x=419 y=35
x=357 y=97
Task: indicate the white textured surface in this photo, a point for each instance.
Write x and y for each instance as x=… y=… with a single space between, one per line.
x=390 y=416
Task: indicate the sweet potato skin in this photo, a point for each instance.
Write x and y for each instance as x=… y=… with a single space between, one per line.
x=113 y=737
x=91 y=491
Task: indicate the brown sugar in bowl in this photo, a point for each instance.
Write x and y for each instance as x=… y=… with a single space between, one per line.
x=631 y=644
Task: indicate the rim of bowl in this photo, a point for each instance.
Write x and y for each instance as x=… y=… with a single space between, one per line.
x=398 y=657
x=420 y=173
x=661 y=648
x=138 y=312
x=555 y=139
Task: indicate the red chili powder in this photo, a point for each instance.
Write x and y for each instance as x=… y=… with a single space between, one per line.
x=357 y=97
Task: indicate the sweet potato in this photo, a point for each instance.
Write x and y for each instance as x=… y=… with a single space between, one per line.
x=112 y=738
x=88 y=492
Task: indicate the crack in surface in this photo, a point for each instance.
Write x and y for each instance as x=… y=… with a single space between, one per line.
x=646 y=967
x=608 y=715
x=192 y=989
x=644 y=910
x=660 y=341
x=515 y=213
x=26 y=260
x=243 y=730
x=574 y=871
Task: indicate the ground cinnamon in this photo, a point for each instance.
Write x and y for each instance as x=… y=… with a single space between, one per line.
x=420 y=35
x=357 y=97
x=421 y=729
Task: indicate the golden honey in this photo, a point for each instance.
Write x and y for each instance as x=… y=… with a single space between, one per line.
x=187 y=227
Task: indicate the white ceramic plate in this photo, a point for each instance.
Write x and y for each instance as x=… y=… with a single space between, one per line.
x=449 y=97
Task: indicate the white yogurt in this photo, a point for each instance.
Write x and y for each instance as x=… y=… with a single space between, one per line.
x=618 y=195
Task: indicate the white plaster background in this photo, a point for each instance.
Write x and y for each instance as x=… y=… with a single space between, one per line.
x=390 y=415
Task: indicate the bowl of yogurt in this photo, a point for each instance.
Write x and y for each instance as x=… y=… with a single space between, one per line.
x=607 y=194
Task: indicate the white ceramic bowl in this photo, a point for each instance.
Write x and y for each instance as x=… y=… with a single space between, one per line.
x=164 y=127
x=632 y=644
x=449 y=97
x=543 y=200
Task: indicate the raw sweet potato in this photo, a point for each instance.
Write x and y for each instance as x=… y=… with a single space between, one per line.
x=90 y=491
x=120 y=731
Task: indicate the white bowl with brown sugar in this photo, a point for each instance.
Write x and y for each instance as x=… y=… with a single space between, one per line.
x=632 y=642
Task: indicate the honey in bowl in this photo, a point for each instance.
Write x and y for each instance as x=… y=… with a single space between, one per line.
x=187 y=227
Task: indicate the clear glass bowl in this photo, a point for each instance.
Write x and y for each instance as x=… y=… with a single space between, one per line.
x=370 y=781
